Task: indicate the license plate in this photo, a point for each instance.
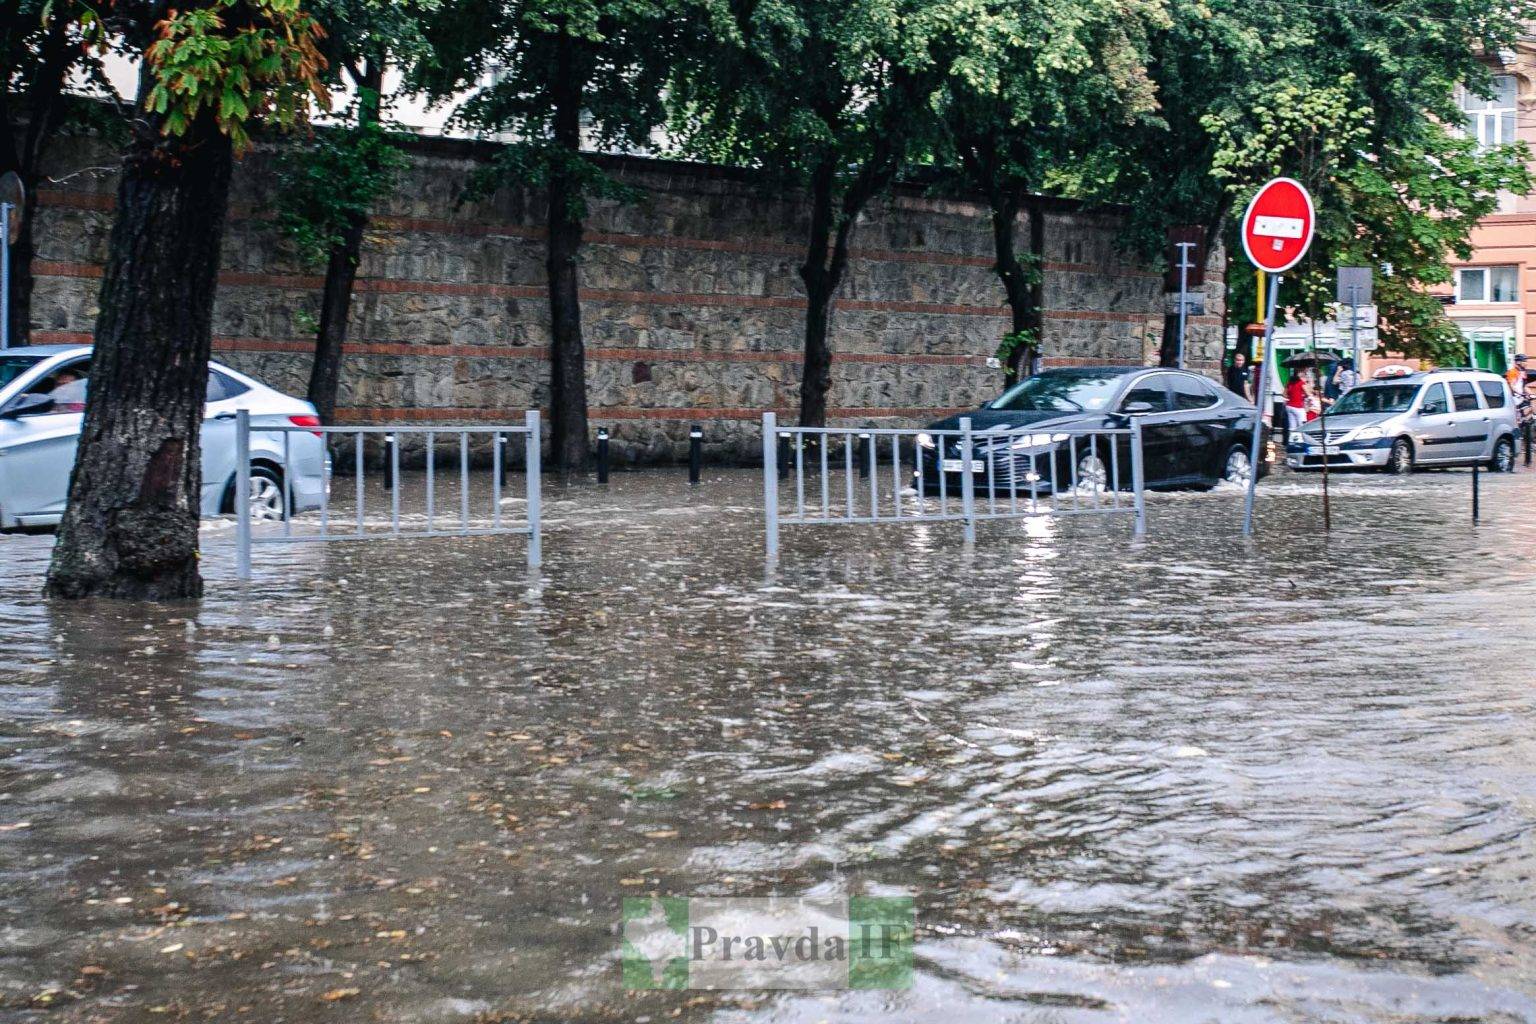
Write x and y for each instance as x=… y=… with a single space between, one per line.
x=958 y=465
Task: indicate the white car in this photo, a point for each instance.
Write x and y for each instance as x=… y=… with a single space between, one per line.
x=42 y=397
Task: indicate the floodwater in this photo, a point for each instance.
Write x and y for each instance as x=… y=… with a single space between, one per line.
x=1195 y=779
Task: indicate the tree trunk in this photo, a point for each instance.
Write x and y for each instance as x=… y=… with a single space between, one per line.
x=1024 y=288
x=23 y=251
x=341 y=273
x=1036 y=285
x=816 y=364
x=22 y=151
x=130 y=528
x=335 y=309
x=568 y=358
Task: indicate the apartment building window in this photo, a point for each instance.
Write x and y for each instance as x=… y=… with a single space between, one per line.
x=1491 y=120
x=1488 y=284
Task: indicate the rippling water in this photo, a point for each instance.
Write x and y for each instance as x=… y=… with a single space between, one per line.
x=1195 y=779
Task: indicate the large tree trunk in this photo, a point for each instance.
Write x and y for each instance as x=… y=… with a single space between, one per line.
x=816 y=364
x=341 y=273
x=568 y=357
x=130 y=528
x=21 y=151
x=1024 y=288
x=23 y=251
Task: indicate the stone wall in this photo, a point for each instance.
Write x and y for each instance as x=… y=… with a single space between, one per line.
x=691 y=302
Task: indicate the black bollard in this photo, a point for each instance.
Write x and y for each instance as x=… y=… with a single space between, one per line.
x=695 y=453
x=505 y=469
x=389 y=462
x=783 y=456
x=1475 y=488
x=1527 y=442
x=602 y=455
x=864 y=442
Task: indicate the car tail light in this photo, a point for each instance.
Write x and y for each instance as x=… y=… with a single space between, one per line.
x=306 y=421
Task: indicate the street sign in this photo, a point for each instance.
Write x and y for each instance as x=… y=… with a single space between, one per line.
x=12 y=194
x=1278 y=225
x=1354 y=287
x=1365 y=317
x=1194 y=237
x=1194 y=303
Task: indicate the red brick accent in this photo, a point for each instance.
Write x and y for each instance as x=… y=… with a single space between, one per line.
x=386 y=414
x=240 y=279
x=99 y=201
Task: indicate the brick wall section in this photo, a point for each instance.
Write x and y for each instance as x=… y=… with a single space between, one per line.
x=691 y=302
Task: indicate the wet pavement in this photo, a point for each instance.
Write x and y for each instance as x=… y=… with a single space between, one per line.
x=1197 y=779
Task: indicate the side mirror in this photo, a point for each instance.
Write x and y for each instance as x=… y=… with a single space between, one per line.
x=27 y=405
x=1137 y=408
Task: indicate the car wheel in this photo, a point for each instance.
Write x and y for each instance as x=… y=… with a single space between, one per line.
x=1238 y=469
x=1400 y=461
x=266 y=495
x=1092 y=476
x=1503 y=460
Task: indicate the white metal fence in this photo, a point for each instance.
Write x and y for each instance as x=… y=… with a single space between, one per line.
x=843 y=476
x=296 y=523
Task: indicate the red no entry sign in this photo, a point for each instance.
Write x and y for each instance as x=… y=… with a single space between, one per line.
x=1277 y=229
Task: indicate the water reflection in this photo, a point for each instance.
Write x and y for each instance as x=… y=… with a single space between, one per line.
x=1197 y=778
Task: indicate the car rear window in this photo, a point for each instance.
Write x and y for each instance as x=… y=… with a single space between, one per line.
x=1463 y=395
x=222 y=386
x=1493 y=391
x=1191 y=392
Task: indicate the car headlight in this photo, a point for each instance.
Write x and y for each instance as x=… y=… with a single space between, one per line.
x=926 y=441
x=1037 y=441
x=1370 y=434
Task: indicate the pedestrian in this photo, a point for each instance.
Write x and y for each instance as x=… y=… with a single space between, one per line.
x=1516 y=375
x=1296 y=401
x=1314 y=401
x=1239 y=377
x=1346 y=376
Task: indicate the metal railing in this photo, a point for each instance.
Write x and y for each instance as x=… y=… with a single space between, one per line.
x=932 y=475
x=326 y=527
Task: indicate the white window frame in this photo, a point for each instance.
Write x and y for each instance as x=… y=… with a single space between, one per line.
x=1487 y=276
x=1487 y=120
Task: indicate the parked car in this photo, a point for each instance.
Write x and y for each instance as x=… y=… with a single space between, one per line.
x=1195 y=433
x=42 y=397
x=1435 y=418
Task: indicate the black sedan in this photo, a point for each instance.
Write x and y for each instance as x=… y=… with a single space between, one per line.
x=1194 y=433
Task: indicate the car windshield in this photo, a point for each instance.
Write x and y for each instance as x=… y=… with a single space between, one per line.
x=1080 y=391
x=1375 y=398
x=12 y=367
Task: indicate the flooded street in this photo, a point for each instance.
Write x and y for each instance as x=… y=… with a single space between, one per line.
x=1196 y=779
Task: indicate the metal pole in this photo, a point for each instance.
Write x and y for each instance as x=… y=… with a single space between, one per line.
x=243 y=493
x=1138 y=481
x=695 y=453
x=967 y=481
x=1184 y=267
x=602 y=455
x=771 y=484
x=5 y=275
x=1263 y=396
x=1354 y=330
x=1476 y=510
x=535 y=539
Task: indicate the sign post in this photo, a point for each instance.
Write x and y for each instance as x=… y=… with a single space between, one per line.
x=1184 y=268
x=1276 y=230
x=12 y=203
x=1354 y=291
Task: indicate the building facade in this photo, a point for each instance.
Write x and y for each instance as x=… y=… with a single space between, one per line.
x=1493 y=295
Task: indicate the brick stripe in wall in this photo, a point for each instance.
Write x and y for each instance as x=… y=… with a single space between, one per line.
x=424 y=225
x=238 y=279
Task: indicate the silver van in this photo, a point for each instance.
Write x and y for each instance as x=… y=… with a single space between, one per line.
x=1436 y=418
